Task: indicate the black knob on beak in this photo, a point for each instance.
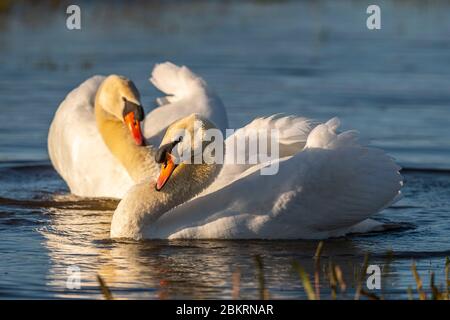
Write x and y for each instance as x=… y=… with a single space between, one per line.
x=161 y=154
x=135 y=108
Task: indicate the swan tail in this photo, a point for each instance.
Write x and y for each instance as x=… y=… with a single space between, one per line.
x=343 y=182
x=324 y=136
x=177 y=82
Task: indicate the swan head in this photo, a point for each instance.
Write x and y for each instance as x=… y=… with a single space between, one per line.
x=181 y=178
x=187 y=141
x=120 y=99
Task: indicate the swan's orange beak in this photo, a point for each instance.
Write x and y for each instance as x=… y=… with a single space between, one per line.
x=166 y=171
x=135 y=128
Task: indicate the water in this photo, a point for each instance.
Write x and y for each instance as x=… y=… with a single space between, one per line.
x=315 y=59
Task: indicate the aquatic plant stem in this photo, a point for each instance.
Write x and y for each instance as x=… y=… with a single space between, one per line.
x=105 y=290
x=305 y=281
x=422 y=295
x=317 y=269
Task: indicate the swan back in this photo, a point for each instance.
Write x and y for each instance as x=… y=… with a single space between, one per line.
x=186 y=93
x=323 y=191
x=76 y=148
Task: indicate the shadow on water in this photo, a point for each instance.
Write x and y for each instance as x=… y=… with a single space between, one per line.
x=60 y=203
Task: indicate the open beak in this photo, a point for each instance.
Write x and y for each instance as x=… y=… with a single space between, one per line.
x=135 y=128
x=166 y=171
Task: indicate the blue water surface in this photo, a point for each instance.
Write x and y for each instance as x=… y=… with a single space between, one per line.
x=311 y=58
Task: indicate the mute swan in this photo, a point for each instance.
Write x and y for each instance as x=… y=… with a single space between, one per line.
x=328 y=189
x=81 y=153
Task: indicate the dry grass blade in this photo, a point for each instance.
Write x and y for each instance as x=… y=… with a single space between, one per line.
x=319 y=250
x=435 y=294
x=305 y=281
x=340 y=278
x=361 y=275
x=386 y=270
x=263 y=292
x=236 y=281
x=447 y=280
x=105 y=290
x=333 y=280
x=422 y=295
x=317 y=269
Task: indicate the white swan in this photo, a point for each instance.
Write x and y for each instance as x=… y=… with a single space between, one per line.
x=324 y=188
x=77 y=148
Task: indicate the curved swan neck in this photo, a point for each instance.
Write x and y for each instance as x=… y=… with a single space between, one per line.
x=135 y=159
x=143 y=205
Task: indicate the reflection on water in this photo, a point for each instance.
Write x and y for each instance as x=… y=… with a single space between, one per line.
x=198 y=269
x=45 y=233
x=311 y=58
x=176 y=269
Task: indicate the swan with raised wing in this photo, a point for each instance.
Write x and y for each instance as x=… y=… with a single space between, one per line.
x=327 y=185
x=98 y=126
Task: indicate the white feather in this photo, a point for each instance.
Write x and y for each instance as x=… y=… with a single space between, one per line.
x=323 y=191
x=77 y=150
x=186 y=93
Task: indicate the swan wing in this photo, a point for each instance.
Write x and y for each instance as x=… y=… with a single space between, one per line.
x=186 y=93
x=291 y=133
x=333 y=184
x=77 y=150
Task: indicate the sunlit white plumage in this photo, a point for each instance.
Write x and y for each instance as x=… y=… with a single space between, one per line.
x=328 y=187
x=327 y=183
x=75 y=145
x=186 y=93
x=77 y=150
